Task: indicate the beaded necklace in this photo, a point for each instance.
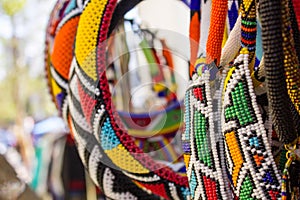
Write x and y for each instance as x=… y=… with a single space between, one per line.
x=290 y=62
x=201 y=144
x=248 y=29
x=216 y=31
x=275 y=74
x=113 y=161
x=250 y=162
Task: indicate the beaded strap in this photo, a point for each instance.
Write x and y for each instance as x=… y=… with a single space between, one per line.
x=249 y=159
x=295 y=27
x=205 y=23
x=201 y=145
x=248 y=29
x=233 y=13
x=275 y=74
x=216 y=31
x=290 y=62
x=232 y=45
x=194 y=33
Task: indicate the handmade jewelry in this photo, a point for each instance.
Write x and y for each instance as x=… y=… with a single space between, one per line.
x=200 y=144
x=249 y=159
x=110 y=155
x=290 y=62
x=216 y=31
x=275 y=74
x=248 y=29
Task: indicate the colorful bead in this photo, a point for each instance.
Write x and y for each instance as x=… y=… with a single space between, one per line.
x=251 y=163
x=204 y=169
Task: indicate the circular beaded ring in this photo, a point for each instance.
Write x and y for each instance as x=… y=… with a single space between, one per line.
x=75 y=64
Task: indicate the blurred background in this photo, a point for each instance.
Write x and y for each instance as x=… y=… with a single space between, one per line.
x=24 y=102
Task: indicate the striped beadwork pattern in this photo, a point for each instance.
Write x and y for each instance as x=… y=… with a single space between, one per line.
x=248 y=29
x=250 y=162
x=76 y=63
x=200 y=145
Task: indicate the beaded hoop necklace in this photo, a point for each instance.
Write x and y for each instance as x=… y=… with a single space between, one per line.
x=113 y=161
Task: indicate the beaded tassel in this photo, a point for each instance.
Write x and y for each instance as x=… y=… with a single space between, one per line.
x=250 y=162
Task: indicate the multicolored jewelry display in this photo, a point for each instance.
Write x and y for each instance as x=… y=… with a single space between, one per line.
x=227 y=146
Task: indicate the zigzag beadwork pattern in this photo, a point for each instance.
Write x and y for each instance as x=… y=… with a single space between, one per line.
x=200 y=144
x=250 y=162
x=233 y=13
